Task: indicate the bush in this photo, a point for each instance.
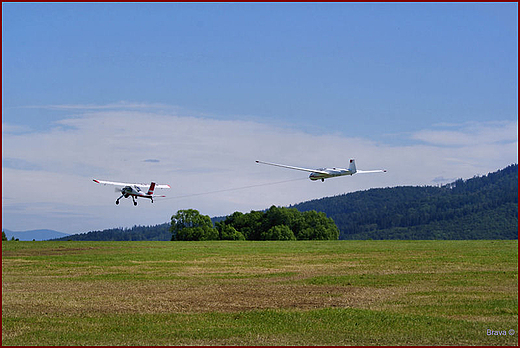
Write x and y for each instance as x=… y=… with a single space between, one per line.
x=191 y=225
x=279 y=232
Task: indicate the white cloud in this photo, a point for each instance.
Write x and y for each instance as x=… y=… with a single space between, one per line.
x=470 y=134
x=210 y=165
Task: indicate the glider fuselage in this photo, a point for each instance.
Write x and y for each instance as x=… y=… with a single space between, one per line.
x=330 y=173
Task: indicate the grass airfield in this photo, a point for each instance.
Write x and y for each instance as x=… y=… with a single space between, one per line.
x=260 y=293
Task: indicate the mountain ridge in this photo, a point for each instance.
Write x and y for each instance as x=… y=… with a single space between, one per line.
x=483 y=207
x=37 y=235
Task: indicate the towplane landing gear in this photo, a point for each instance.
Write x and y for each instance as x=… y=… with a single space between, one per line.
x=126 y=196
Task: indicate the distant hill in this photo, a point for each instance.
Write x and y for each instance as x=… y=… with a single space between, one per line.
x=156 y=232
x=37 y=235
x=483 y=207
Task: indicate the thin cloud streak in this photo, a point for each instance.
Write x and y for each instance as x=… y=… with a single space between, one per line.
x=96 y=107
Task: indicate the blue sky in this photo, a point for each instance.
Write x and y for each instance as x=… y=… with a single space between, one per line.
x=130 y=91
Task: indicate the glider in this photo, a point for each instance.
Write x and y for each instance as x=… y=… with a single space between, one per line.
x=325 y=173
x=134 y=190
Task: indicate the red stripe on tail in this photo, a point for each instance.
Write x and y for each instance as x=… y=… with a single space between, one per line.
x=152 y=187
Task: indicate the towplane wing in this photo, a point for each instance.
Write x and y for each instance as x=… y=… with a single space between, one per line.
x=128 y=184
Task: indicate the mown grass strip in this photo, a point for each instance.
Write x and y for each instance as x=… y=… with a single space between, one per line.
x=266 y=327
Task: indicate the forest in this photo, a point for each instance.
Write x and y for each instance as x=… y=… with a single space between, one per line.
x=483 y=207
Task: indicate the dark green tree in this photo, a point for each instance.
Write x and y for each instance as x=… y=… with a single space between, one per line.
x=278 y=232
x=279 y=223
x=191 y=225
x=228 y=232
x=317 y=226
x=4 y=237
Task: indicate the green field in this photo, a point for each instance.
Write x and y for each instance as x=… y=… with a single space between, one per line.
x=260 y=293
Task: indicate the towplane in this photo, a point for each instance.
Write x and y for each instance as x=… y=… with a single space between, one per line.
x=134 y=190
x=325 y=173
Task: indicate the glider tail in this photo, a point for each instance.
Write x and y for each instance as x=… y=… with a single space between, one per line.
x=150 y=190
x=352 y=166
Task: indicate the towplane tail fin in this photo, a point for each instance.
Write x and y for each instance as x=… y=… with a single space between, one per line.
x=150 y=190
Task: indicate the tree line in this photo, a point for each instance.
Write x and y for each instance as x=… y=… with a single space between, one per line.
x=4 y=237
x=159 y=232
x=276 y=223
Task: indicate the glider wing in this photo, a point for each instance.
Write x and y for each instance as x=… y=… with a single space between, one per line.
x=297 y=168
